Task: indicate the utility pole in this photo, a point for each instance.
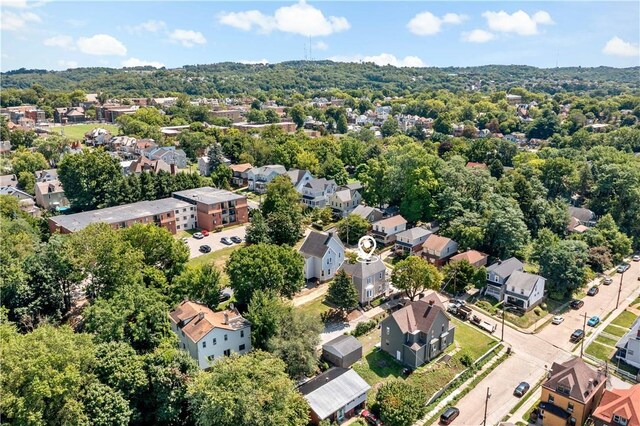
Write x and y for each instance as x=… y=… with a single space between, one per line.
x=502 y=335
x=619 y=290
x=486 y=403
x=584 y=334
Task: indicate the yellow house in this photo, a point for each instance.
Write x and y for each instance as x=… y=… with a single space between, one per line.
x=571 y=393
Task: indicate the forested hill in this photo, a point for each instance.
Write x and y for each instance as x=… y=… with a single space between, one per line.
x=311 y=77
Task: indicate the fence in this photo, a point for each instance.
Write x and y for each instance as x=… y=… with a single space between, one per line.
x=614 y=369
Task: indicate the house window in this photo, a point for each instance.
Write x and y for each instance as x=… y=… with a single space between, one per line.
x=387 y=342
x=620 y=420
x=241 y=333
x=241 y=347
x=204 y=344
x=215 y=341
x=211 y=357
x=551 y=399
x=191 y=216
x=227 y=352
x=388 y=331
x=513 y=288
x=226 y=337
x=570 y=408
x=178 y=227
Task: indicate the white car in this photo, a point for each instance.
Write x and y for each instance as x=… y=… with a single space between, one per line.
x=557 y=320
x=198 y=236
x=636 y=258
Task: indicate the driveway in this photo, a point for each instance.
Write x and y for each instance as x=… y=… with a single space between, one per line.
x=213 y=240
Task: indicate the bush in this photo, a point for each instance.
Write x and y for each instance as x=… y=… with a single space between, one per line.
x=483 y=304
x=363 y=328
x=544 y=306
x=537 y=311
x=401 y=403
x=376 y=302
x=465 y=358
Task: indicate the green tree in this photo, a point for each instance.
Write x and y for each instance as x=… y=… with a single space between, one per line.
x=414 y=275
x=401 y=403
x=374 y=176
x=202 y=283
x=460 y=275
x=121 y=368
x=27 y=182
x=247 y=390
x=352 y=228
x=284 y=228
x=563 y=265
x=271 y=116
x=104 y=406
x=506 y=233
x=418 y=202
x=265 y=313
x=341 y=124
x=257 y=231
x=333 y=168
x=544 y=126
x=262 y=267
x=283 y=211
x=390 y=127
x=256 y=116
x=342 y=293
x=26 y=161
x=606 y=233
x=298 y=115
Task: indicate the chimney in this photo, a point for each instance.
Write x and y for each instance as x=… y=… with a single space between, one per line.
x=226 y=318
x=590 y=384
x=431 y=302
x=200 y=316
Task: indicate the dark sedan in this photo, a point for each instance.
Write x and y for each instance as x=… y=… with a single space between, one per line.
x=205 y=248
x=236 y=240
x=521 y=389
x=576 y=304
x=593 y=291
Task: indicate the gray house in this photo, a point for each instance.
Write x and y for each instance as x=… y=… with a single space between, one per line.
x=498 y=274
x=524 y=290
x=343 y=351
x=371 y=214
x=369 y=279
x=417 y=333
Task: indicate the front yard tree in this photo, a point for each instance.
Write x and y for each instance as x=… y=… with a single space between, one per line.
x=564 y=266
x=202 y=283
x=461 y=275
x=247 y=390
x=342 y=293
x=352 y=228
x=415 y=275
x=283 y=211
x=257 y=231
x=401 y=403
x=265 y=266
x=284 y=228
x=265 y=313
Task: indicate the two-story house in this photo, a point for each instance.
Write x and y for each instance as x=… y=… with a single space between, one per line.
x=169 y=154
x=417 y=333
x=316 y=192
x=474 y=257
x=50 y=195
x=618 y=407
x=344 y=201
x=411 y=240
x=369 y=279
x=585 y=216
x=524 y=290
x=370 y=214
x=629 y=346
x=259 y=177
x=437 y=249
x=240 y=174
x=209 y=335
x=323 y=255
x=498 y=274
x=386 y=230
x=571 y=393
x=46 y=175
x=299 y=178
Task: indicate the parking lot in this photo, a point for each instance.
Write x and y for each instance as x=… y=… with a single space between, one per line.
x=213 y=240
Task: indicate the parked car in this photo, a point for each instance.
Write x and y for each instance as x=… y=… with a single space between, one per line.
x=370 y=418
x=576 y=304
x=198 y=236
x=577 y=335
x=557 y=320
x=636 y=258
x=236 y=240
x=205 y=248
x=205 y=232
x=593 y=291
x=226 y=241
x=593 y=321
x=607 y=281
x=449 y=415
x=225 y=294
x=184 y=240
x=623 y=267
x=521 y=389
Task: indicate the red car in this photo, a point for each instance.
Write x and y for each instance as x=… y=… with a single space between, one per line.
x=205 y=232
x=370 y=418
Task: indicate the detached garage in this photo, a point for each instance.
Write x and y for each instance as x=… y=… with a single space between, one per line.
x=343 y=351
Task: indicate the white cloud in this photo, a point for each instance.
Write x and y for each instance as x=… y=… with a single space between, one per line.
x=518 y=22
x=382 y=59
x=10 y=21
x=187 y=38
x=101 y=44
x=63 y=41
x=67 y=64
x=320 y=45
x=18 y=4
x=477 y=36
x=135 y=62
x=300 y=18
x=618 y=47
x=250 y=62
x=151 y=26
x=426 y=23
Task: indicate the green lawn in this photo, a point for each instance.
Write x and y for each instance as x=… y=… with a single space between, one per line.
x=76 y=131
x=614 y=330
x=471 y=339
x=218 y=257
x=316 y=307
x=606 y=340
x=625 y=319
x=600 y=351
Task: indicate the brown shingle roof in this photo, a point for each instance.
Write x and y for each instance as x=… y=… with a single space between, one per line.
x=435 y=242
x=392 y=221
x=471 y=256
x=575 y=375
x=622 y=402
x=240 y=168
x=197 y=320
x=420 y=314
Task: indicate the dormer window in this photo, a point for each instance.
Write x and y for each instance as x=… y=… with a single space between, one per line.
x=563 y=390
x=622 y=421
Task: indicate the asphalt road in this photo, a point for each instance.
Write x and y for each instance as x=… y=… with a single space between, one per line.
x=213 y=240
x=533 y=353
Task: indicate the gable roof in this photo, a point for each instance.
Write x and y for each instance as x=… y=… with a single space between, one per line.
x=342 y=345
x=344 y=195
x=471 y=256
x=197 y=320
x=240 y=168
x=266 y=170
x=522 y=281
x=363 y=211
x=506 y=267
x=436 y=242
x=575 y=375
x=317 y=243
x=364 y=269
x=419 y=314
x=49 y=187
x=332 y=390
x=622 y=402
x=319 y=184
x=582 y=214
x=296 y=175
x=414 y=233
x=391 y=221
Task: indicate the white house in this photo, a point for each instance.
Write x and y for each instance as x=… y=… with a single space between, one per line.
x=316 y=192
x=323 y=255
x=410 y=241
x=209 y=335
x=498 y=274
x=629 y=345
x=259 y=177
x=385 y=230
x=524 y=290
x=299 y=178
x=344 y=201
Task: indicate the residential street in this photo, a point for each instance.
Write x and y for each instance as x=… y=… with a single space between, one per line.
x=533 y=352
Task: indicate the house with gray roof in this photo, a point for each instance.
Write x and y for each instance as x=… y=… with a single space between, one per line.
x=417 y=333
x=323 y=255
x=369 y=279
x=585 y=216
x=629 y=345
x=524 y=290
x=345 y=200
x=259 y=177
x=498 y=274
x=371 y=214
x=411 y=240
x=316 y=192
x=336 y=395
x=168 y=154
x=343 y=351
x=299 y=178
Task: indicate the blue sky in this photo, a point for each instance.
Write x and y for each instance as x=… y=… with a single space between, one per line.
x=59 y=34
